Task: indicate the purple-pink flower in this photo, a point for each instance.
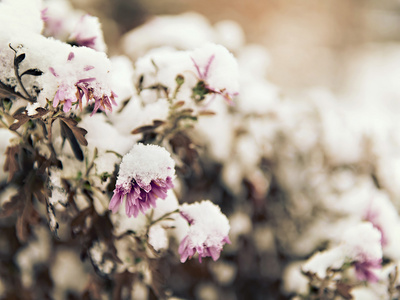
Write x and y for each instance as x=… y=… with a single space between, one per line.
x=365 y=269
x=139 y=196
x=187 y=249
x=73 y=94
x=208 y=231
x=210 y=72
x=87 y=33
x=145 y=174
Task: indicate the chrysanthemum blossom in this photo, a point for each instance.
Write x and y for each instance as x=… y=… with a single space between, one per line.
x=71 y=91
x=145 y=174
x=218 y=69
x=208 y=231
x=364 y=249
x=88 y=33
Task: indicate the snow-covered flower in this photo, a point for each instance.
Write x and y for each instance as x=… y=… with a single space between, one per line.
x=208 y=230
x=88 y=33
x=363 y=247
x=217 y=71
x=360 y=246
x=73 y=92
x=145 y=174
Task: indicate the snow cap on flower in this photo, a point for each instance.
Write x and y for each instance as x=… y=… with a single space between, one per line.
x=208 y=230
x=77 y=82
x=145 y=174
x=88 y=33
x=362 y=244
x=218 y=68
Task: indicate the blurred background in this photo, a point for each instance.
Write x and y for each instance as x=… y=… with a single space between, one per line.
x=348 y=50
x=311 y=43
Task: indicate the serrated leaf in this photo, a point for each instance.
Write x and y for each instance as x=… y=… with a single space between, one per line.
x=33 y=72
x=78 y=132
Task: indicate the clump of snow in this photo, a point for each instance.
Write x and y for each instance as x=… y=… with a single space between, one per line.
x=122 y=77
x=222 y=73
x=355 y=239
x=293 y=280
x=158 y=237
x=208 y=230
x=146 y=163
x=320 y=262
x=20 y=16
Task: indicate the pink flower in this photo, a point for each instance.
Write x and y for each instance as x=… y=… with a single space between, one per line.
x=87 y=33
x=208 y=231
x=217 y=71
x=187 y=249
x=73 y=94
x=365 y=269
x=139 y=196
x=145 y=174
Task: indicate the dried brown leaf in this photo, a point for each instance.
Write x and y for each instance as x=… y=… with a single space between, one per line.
x=11 y=164
x=22 y=119
x=9 y=207
x=207 y=113
x=78 y=132
x=344 y=290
